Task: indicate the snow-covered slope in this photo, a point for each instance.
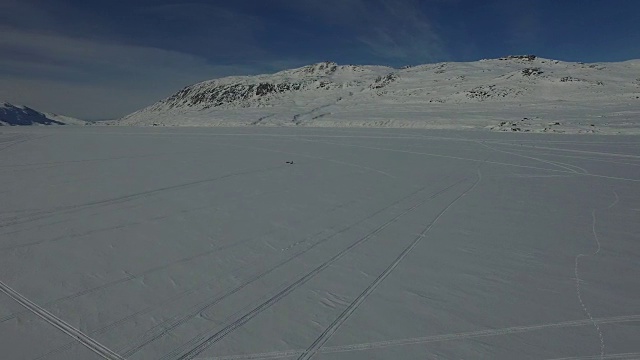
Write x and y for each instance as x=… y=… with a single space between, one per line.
x=21 y=115
x=516 y=93
x=67 y=120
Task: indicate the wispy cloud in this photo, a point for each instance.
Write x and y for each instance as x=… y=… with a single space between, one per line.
x=389 y=29
x=95 y=67
x=98 y=70
x=82 y=60
x=212 y=29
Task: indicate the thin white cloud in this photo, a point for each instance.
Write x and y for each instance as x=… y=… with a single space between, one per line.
x=77 y=52
x=83 y=78
x=87 y=75
x=231 y=33
x=391 y=29
x=85 y=101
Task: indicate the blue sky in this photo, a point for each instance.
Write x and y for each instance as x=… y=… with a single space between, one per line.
x=103 y=59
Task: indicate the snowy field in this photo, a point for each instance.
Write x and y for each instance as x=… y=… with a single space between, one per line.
x=186 y=243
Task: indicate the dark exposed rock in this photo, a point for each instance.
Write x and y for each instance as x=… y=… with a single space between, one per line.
x=520 y=57
x=440 y=69
x=486 y=92
x=382 y=81
x=323 y=68
x=265 y=88
x=531 y=71
x=224 y=94
x=246 y=93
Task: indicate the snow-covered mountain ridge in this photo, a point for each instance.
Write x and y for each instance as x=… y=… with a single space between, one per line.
x=515 y=93
x=12 y=115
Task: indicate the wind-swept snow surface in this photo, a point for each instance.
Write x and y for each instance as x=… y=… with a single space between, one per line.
x=300 y=243
x=515 y=94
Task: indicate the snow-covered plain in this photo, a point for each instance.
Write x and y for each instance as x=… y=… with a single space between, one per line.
x=185 y=243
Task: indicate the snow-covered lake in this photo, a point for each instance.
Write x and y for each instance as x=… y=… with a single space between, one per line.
x=207 y=243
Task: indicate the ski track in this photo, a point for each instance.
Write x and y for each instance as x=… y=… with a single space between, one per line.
x=143 y=274
x=585 y=309
x=565 y=166
x=316 y=158
x=131 y=277
x=125 y=225
x=570 y=156
x=522 y=142
x=318 y=345
x=60 y=324
x=342 y=318
x=529 y=176
x=172 y=323
x=44 y=165
x=66 y=220
x=22 y=139
x=170 y=299
x=577 y=151
x=203 y=341
x=475 y=160
x=510 y=143
x=139 y=195
x=432 y=339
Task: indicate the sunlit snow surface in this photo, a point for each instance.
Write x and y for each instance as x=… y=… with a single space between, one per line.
x=374 y=244
x=513 y=95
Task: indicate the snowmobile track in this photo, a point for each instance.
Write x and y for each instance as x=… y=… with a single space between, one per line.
x=204 y=341
x=331 y=329
x=171 y=324
x=60 y=324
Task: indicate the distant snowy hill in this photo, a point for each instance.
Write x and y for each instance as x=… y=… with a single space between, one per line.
x=21 y=115
x=515 y=93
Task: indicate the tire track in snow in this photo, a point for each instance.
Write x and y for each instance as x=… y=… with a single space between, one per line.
x=60 y=324
x=335 y=325
x=148 y=309
x=315 y=157
x=172 y=323
x=581 y=151
x=585 y=309
x=129 y=276
x=149 y=271
x=44 y=165
x=21 y=139
x=561 y=165
x=203 y=341
x=143 y=194
x=474 y=160
x=572 y=156
x=433 y=339
x=127 y=224
x=121 y=199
